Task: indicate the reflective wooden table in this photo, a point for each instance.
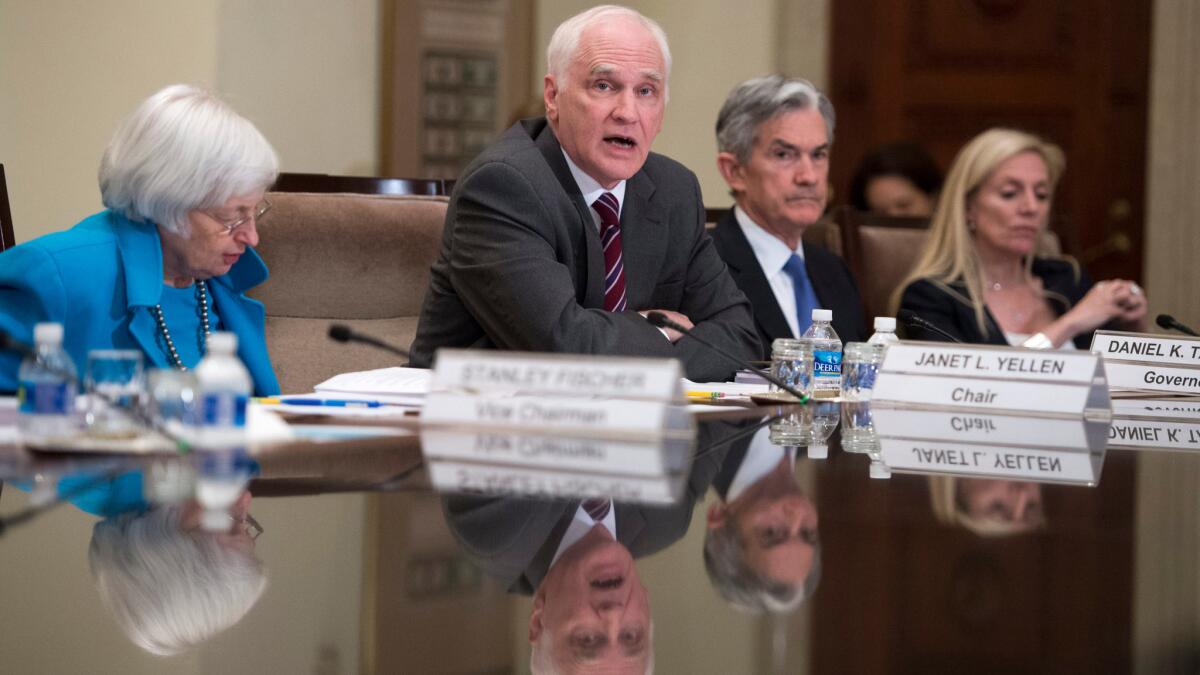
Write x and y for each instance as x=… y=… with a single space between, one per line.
x=831 y=538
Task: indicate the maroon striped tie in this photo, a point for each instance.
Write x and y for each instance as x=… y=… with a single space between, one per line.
x=610 y=239
x=597 y=508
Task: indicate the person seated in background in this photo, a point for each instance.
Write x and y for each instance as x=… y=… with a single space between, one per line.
x=171 y=585
x=774 y=137
x=979 y=277
x=896 y=179
x=761 y=549
x=169 y=261
x=567 y=231
x=986 y=506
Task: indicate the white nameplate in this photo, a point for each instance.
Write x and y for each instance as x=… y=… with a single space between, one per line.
x=573 y=375
x=1147 y=362
x=1032 y=464
x=1147 y=434
x=472 y=478
x=669 y=457
x=1073 y=433
x=992 y=378
x=610 y=418
x=1166 y=408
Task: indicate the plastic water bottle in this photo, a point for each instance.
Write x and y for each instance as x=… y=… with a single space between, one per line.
x=223 y=387
x=46 y=393
x=827 y=355
x=885 y=332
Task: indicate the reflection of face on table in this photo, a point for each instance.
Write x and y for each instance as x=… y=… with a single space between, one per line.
x=592 y=610
x=169 y=583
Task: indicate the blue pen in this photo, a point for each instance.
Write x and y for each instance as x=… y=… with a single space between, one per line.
x=330 y=402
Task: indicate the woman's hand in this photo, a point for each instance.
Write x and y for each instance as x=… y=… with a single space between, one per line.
x=1131 y=300
x=1108 y=300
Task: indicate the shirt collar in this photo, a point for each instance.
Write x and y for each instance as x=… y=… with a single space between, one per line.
x=591 y=189
x=581 y=524
x=771 y=252
x=761 y=459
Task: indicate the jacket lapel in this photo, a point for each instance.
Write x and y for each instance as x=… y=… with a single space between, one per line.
x=750 y=278
x=643 y=240
x=592 y=259
x=141 y=266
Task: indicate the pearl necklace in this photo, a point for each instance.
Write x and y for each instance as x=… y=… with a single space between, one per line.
x=202 y=300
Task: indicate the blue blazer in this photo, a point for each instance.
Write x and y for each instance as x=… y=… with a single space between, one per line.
x=101 y=279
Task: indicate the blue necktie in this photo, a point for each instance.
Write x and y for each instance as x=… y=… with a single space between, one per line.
x=806 y=299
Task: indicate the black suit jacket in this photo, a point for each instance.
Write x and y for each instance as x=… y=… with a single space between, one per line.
x=521 y=266
x=831 y=280
x=948 y=306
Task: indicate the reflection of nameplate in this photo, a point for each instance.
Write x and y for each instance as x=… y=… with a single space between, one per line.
x=470 y=478
x=971 y=427
x=1042 y=465
x=534 y=465
x=1043 y=449
x=668 y=457
x=942 y=375
x=1146 y=362
x=1168 y=408
x=1163 y=434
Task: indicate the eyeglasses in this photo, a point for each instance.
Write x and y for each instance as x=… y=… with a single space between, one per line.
x=249 y=523
x=260 y=210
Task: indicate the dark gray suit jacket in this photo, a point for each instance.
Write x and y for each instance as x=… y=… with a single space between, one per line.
x=831 y=280
x=521 y=267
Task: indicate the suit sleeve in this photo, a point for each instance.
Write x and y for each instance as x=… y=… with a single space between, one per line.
x=31 y=291
x=933 y=303
x=716 y=306
x=505 y=266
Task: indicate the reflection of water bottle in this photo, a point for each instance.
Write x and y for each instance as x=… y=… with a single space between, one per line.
x=222 y=478
x=46 y=393
x=224 y=390
x=827 y=355
x=824 y=421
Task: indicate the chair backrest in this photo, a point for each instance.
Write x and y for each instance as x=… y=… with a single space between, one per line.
x=371 y=185
x=881 y=251
x=7 y=238
x=358 y=259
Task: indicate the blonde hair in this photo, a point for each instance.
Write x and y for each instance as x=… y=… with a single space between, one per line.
x=949 y=253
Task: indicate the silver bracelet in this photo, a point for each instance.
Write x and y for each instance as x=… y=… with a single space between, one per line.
x=1038 y=341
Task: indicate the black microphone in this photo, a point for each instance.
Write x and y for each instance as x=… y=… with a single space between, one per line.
x=660 y=320
x=910 y=319
x=343 y=333
x=1169 y=323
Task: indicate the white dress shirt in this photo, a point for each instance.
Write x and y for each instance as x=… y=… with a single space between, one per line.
x=772 y=255
x=761 y=458
x=592 y=189
x=580 y=525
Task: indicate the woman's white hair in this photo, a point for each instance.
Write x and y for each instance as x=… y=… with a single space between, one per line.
x=183 y=149
x=170 y=589
x=566 y=38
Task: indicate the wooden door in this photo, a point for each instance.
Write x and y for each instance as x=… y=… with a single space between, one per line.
x=940 y=71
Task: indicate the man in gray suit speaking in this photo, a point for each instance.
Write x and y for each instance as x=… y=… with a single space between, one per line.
x=566 y=231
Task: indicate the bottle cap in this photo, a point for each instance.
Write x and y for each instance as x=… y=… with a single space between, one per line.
x=818 y=451
x=887 y=323
x=48 y=334
x=222 y=343
x=879 y=470
x=822 y=315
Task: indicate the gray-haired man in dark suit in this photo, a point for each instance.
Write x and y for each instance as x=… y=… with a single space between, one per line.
x=563 y=234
